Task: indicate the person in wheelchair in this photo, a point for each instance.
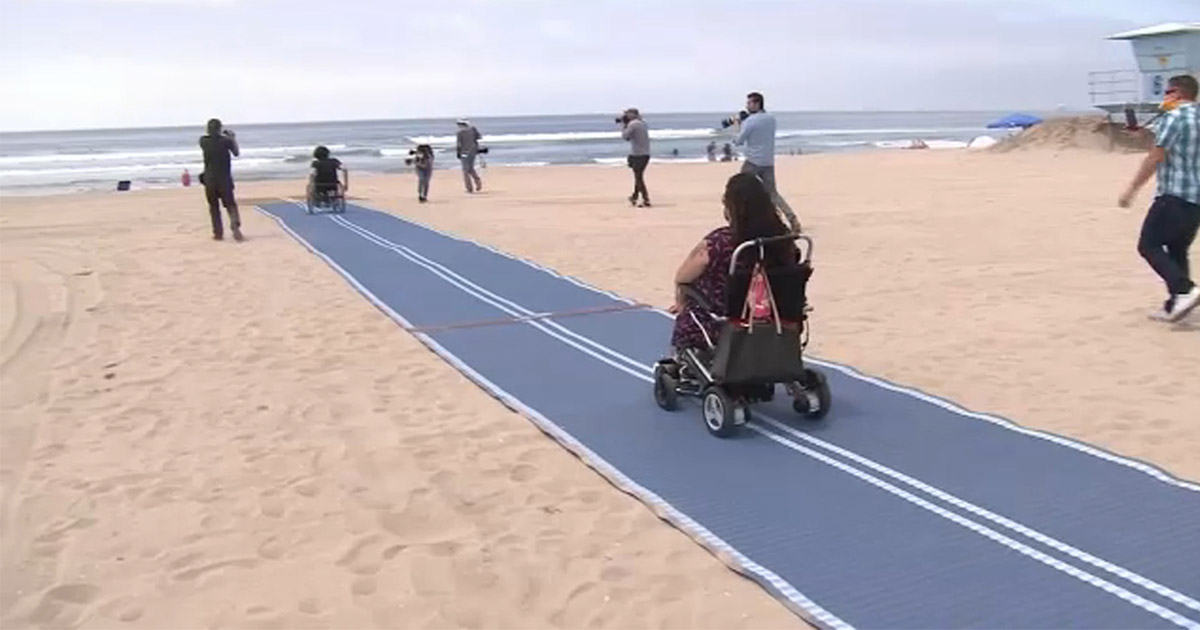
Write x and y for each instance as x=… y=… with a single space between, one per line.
x=701 y=278
x=740 y=317
x=323 y=182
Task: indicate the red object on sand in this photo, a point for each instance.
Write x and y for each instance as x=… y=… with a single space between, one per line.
x=186 y=178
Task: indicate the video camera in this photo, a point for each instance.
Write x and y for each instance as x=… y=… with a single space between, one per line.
x=729 y=122
x=480 y=150
x=421 y=148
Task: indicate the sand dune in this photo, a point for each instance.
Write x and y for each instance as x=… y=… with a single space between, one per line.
x=1095 y=133
x=201 y=434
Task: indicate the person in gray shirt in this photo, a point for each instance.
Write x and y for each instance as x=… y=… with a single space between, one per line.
x=758 y=135
x=634 y=130
x=467 y=148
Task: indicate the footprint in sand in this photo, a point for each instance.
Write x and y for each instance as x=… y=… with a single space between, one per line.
x=197 y=572
x=522 y=473
x=307 y=489
x=367 y=555
x=272 y=506
x=309 y=606
x=64 y=606
x=363 y=586
x=271 y=549
x=130 y=615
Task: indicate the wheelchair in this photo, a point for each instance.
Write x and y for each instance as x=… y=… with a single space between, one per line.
x=329 y=197
x=751 y=355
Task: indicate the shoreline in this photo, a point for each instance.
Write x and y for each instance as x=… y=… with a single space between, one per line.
x=356 y=176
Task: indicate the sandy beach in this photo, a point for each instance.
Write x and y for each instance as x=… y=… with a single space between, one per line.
x=226 y=435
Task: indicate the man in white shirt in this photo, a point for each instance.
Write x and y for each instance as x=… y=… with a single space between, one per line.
x=758 y=135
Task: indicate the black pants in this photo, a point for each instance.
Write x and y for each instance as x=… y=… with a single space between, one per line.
x=218 y=194
x=1167 y=233
x=638 y=163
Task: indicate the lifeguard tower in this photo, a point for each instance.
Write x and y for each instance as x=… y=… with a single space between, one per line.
x=1162 y=52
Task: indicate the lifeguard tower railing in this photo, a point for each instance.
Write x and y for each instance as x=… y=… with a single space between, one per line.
x=1120 y=92
x=1116 y=88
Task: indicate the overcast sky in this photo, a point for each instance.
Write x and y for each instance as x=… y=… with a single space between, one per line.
x=120 y=63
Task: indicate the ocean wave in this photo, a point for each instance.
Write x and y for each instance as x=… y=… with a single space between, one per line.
x=932 y=144
x=129 y=156
x=841 y=143
x=795 y=133
x=393 y=152
x=622 y=161
x=681 y=160
x=176 y=167
x=565 y=136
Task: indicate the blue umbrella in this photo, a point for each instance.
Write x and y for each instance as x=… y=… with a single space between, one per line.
x=1015 y=120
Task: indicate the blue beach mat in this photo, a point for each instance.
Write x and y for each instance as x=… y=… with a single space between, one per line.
x=898 y=510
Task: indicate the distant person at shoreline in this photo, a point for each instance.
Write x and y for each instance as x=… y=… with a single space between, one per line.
x=218 y=145
x=757 y=132
x=635 y=132
x=423 y=165
x=711 y=151
x=467 y=148
x=727 y=153
x=1173 y=219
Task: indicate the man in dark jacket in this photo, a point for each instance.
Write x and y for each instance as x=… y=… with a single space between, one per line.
x=467 y=147
x=218 y=145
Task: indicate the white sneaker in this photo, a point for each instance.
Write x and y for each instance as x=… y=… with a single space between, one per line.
x=1184 y=304
x=1160 y=315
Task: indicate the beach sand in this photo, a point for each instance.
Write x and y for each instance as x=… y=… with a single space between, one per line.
x=201 y=434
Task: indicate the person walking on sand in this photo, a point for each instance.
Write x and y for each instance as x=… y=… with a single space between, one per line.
x=635 y=132
x=423 y=165
x=218 y=145
x=758 y=134
x=1172 y=221
x=467 y=147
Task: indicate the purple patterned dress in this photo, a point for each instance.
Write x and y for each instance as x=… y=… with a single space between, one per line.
x=711 y=284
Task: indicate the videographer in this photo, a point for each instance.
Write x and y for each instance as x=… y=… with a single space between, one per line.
x=634 y=130
x=218 y=144
x=758 y=134
x=422 y=162
x=467 y=148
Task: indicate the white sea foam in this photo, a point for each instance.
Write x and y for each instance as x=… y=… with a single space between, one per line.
x=566 y=136
x=168 y=167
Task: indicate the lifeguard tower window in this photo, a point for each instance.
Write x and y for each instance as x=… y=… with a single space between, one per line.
x=1160 y=53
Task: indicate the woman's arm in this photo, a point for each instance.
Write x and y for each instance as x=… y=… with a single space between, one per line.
x=688 y=272
x=693 y=265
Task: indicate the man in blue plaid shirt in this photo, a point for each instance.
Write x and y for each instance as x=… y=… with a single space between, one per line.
x=1174 y=217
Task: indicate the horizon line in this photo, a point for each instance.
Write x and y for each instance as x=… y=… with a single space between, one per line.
x=1066 y=110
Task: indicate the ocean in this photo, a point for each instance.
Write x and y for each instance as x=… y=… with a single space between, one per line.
x=49 y=162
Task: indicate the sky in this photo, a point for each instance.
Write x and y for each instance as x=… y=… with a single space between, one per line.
x=71 y=64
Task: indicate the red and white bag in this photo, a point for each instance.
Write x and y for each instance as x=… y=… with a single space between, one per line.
x=760 y=300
